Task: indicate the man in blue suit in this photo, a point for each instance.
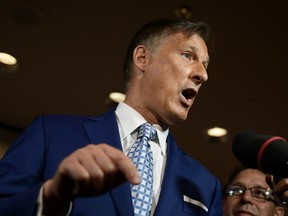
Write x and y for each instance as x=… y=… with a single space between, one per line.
x=75 y=165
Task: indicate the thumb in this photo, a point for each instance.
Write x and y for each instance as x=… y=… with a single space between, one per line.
x=270 y=181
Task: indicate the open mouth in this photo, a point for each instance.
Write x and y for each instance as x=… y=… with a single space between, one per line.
x=189 y=94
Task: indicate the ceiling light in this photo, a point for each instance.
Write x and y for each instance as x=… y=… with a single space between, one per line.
x=8 y=63
x=7 y=59
x=216 y=132
x=114 y=98
x=117 y=97
x=183 y=12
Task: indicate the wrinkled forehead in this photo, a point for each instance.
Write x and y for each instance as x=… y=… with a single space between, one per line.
x=250 y=178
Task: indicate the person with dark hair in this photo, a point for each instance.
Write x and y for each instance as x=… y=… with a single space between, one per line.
x=124 y=162
x=247 y=193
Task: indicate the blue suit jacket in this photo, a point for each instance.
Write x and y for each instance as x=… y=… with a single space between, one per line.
x=36 y=154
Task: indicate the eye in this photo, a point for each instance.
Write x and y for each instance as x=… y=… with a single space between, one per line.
x=205 y=65
x=186 y=55
x=261 y=193
x=234 y=190
x=238 y=190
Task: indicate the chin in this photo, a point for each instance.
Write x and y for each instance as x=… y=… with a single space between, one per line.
x=182 y=115
x=179 y=119
x=176 y=115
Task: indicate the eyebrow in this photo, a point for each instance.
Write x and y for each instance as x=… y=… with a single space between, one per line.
x=254 y=186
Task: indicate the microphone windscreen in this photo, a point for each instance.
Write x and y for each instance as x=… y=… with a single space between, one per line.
x=265 y=152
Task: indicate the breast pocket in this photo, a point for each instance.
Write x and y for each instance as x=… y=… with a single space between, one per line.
x=194 y=207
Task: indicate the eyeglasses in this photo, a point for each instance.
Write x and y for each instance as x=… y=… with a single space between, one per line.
x=258 y=193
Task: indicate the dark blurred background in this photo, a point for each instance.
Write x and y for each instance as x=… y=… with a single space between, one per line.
x=70 y=56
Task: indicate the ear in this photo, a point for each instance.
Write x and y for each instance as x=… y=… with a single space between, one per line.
x=140 y=57
x=279 y=211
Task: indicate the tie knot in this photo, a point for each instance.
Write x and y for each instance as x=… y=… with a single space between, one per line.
x=148 y=131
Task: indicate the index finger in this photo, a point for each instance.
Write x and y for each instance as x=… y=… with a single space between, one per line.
x=270 y=181
x=123 y=163
x=281 y=186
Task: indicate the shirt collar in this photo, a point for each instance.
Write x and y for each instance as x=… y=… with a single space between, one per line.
x=129 y=120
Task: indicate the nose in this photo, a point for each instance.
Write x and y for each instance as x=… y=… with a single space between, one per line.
x=200 y=74
x=247 y=196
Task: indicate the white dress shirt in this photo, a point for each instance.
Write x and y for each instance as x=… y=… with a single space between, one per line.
x=128 y=121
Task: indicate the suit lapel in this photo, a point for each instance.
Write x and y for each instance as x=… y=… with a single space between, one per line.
x=180 y=181
x=171 y=186
x=104 y=129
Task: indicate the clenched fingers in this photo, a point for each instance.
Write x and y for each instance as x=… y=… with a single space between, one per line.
x=93 y=170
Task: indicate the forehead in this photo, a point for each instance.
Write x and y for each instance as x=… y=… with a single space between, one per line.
x=181 y=42
x=180 y=39
x=250 y=178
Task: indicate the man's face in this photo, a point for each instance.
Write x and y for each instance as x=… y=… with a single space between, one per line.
x=245 y=204
x=172 y=78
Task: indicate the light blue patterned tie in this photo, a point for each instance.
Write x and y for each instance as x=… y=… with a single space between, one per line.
x=141 y=155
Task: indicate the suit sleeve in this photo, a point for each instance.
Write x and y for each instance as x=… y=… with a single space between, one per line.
x=21 y=172
x=216 y=206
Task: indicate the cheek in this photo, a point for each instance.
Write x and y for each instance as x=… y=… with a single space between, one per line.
x=229 y=204
x=161 y=81
x=264 y=208
x=166 y=77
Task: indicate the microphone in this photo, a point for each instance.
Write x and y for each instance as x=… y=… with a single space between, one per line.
x=265 y=152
